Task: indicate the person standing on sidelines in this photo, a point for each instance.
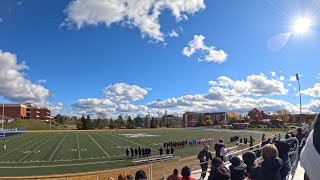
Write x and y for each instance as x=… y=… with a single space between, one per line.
x=127 y=153
x=4 y=144
x=204 y=156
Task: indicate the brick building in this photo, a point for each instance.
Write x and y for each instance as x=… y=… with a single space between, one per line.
x=25 y=111
x=191 y=119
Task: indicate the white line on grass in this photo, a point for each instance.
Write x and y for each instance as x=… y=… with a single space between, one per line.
x=59 y=165
x=78 y=145
x=133 y=142
x=98 y=145
x=108 y=139
x=37 y=147
x=21 y=146
x=58 y=147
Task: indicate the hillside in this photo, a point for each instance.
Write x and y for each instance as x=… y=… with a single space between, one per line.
x=29 y=124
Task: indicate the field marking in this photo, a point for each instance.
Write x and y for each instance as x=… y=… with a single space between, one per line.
x=98 y=145
x=108 y=139
x=133 y=142
x=60 y=165
x=58 y=147
x=78 y=145
x=21 y=146
x=15 y=141
x=37 y=147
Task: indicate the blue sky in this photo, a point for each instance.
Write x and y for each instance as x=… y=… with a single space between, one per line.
x=118 y=58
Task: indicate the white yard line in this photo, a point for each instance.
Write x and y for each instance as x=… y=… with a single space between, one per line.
x=58 y=146
x=21 y=146
x=60 y=165
x=108 y=139
x=98 y=145
x=37 y=147
x=78 y=145
x=133 y=142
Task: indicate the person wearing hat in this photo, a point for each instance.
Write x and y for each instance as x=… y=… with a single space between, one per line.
x=219 y=170
x=310 y=154
x=140 y=175
x=237 y=169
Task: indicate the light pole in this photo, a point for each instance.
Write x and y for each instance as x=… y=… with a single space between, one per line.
x=298 y=79
x=158 y=101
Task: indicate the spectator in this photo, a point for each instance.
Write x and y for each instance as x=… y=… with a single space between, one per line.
x=140 y=175
x=129 y=177
x=271 y=165
x=284 y=148
x=186 y=174
x=175 y=176
x=310 y=154
x=217 y=148
x=249 y=159
x=121 y=177
x=204 y=156
x=218 y=170
x=237 y=169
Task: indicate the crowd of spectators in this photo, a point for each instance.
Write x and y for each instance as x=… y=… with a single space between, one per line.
x=273 y=154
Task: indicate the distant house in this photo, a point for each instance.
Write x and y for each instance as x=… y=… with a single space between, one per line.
x=240 y=125
x=191 y=119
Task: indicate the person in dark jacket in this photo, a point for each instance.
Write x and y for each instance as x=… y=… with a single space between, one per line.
x=249 y=159
x=271 y=165
x=161 y=151
x=217 y=147
x=140 y=175
x=204 y=156
x=218 y=170
x=237 y=169
x=140 y=152
x=284 y=148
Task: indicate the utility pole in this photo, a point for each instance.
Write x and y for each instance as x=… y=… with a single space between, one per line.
x=158 y=101
x=298 y=79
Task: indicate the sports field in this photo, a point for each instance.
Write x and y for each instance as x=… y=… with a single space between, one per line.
x=44 y=153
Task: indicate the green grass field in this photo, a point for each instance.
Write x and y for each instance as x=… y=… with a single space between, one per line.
x=44 y=153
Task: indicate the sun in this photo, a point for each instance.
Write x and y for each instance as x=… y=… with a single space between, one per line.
x=302 y=25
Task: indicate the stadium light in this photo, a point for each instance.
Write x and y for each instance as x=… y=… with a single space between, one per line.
x=298 y=79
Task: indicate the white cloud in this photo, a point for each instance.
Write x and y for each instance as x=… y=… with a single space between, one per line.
x=210 y=52
x=131 y=108
x=314 y=91
x=41 y=81
x=289 y=84
x=282 y=78
x=273 y=74
x=122 y=92
x=292 y=78
x=318 y=76
x=91 y=103
x=173 y=33
x=143 y=14
x=14 y=86
x=1 y=20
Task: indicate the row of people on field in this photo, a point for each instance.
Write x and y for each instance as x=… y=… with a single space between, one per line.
x=138 y=152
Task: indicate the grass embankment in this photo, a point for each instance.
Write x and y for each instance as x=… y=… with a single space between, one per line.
x=29 y=124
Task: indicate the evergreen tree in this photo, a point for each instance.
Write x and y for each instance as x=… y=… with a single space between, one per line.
x=137 y=121
x=89 y=122
x=153 y=123
x=120 y=121
x=129 y=123
x=111 y=124
x=83 y=122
